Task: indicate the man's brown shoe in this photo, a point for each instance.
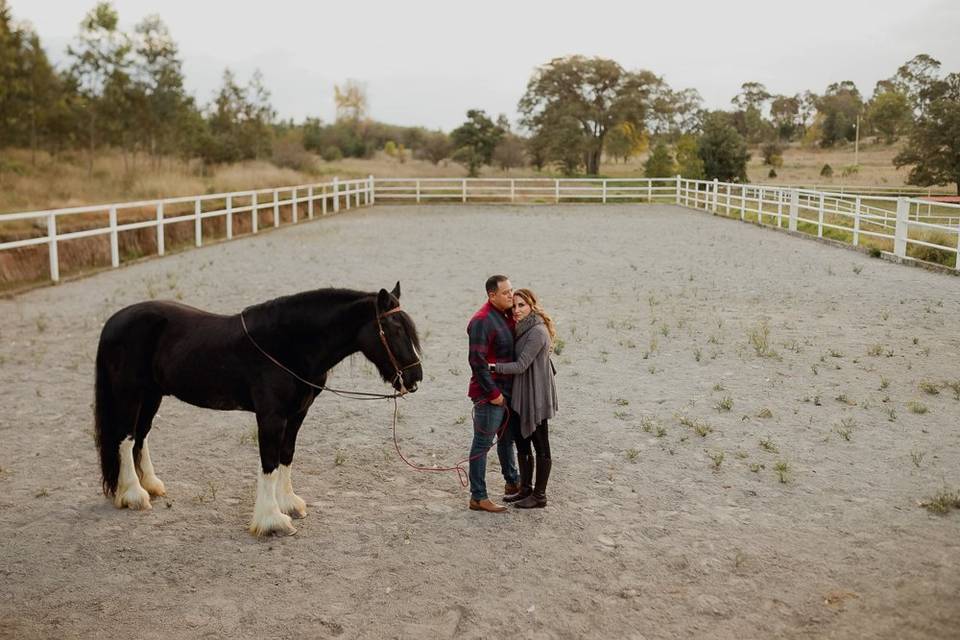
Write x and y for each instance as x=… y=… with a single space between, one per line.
x=485 y=505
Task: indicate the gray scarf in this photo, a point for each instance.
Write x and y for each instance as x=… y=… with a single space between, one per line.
x=528 y=323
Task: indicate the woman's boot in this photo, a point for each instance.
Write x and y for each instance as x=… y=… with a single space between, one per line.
x=526 y=479
x=538 y=499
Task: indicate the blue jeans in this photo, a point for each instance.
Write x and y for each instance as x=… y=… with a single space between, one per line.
x=487 y=418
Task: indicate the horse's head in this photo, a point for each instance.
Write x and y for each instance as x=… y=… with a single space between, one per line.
x=390 y=341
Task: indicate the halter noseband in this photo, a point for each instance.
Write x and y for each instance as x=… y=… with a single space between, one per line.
x=383 y=339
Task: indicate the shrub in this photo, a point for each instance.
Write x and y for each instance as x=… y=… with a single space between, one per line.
x=772 y=154
x=772 y=174
x=332 y=154
x=826 y=171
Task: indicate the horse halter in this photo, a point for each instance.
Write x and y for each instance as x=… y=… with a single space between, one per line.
x=386 y=346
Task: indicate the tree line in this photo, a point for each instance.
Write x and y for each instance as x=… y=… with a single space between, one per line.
x=126 y=91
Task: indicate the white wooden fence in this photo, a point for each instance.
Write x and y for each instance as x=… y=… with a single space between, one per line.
x=902 y=223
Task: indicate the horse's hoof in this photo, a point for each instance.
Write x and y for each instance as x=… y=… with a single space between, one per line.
x=133 y=498
x=293 y=505
x=279 y=524
x=154 y=486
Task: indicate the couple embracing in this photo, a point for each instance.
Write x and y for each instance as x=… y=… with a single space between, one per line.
x=513 y=392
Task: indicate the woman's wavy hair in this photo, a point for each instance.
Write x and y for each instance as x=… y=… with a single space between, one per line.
x=531 y=299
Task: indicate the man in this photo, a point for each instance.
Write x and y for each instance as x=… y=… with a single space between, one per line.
x=491 y=341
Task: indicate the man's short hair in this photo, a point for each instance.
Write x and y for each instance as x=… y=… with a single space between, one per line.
x=493 y=283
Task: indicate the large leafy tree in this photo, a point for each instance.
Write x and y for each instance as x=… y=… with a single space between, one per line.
x=934 y=145
x=660 y=164
x=722 y=149
x=596 y=93
x=889 y=114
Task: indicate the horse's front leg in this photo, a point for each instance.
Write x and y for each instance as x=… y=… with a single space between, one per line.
x=289 y=502
x=267 y=517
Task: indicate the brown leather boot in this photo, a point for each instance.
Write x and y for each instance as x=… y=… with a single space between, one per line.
x=510 y=488
x=538 y=499
x=486 y=505
x=526 y=479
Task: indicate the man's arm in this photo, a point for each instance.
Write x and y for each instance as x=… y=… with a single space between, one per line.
x=479 y=335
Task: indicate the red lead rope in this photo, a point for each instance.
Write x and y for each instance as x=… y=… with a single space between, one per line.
x=458 y=467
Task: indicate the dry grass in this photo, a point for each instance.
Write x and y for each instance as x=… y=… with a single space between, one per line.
x=64 y=181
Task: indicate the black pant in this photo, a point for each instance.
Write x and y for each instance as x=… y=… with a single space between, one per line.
x=540 y=439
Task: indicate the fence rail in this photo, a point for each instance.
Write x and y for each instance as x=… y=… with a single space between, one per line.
x=903 y=226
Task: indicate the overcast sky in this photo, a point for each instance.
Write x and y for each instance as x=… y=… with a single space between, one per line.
x=427 y=62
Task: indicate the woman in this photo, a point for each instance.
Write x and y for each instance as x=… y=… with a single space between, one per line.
x=534 y=398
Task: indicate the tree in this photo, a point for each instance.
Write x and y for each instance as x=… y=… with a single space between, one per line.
x=660 y=164
x=624 y=141
x=889 y=114
x=915 y=79
x=934 y=144
x=239 y=120
x=436 y=147
x=475 y=140
x=689 y=163
x=351 y=101
x=595 y=93
x=158 y=74
x=673 y=113
x=839 y=107
x=785 y=112
x=509 y=152
x=722 y=149
x=100 y=55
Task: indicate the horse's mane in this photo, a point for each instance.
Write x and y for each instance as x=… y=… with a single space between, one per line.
x=320 y=304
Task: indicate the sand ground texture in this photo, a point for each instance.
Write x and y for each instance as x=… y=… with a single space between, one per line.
x=646 y=535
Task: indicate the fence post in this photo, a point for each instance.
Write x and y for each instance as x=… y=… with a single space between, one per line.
x=418 y=190
x=743 y=202
x=727 y=189
x=856 y=222
x=513 y=190
x=779 y=208
x=229 y=216
x=716 y=193
x=820 y=217
x=255 y=212
x=356 y=195
x=760 y=196
x=900 y=234
x=197 y=223
x=276 y=207
x=463 y=188
x=160 y=239
x=336 y=194
x=293 y=206
x=310 y=202
x=346 y=194
x=114 y=239
x=604 y=192
x=556 y=191
x=54 y=256
x=649 y=190
x=794 y=209
x=323 y=199
x=373 y=192
x=678 y=189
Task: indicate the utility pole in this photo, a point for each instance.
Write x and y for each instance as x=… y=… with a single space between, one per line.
x=856 y=144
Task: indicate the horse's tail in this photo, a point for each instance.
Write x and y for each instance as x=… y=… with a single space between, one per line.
x=106 y=428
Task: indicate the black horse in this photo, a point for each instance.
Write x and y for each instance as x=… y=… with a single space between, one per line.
x=271 y=359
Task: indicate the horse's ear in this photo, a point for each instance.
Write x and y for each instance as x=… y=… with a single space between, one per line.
x=396 y=290
x=384 y=301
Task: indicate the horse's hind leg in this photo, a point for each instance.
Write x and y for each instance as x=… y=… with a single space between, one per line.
x=144 y=465
x=129 y=491
x=267 y=517
x=289 y=502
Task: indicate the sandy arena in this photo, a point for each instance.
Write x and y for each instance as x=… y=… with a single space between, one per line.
x=667 y=515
